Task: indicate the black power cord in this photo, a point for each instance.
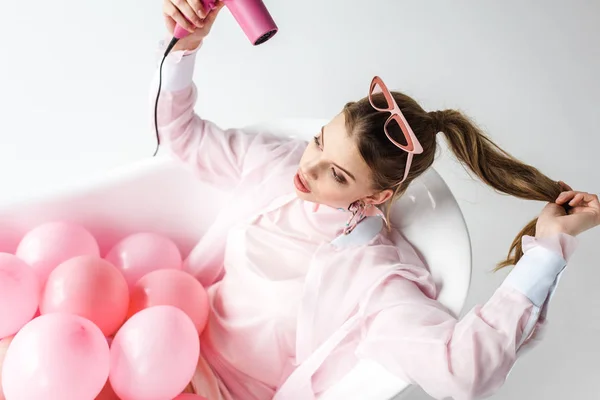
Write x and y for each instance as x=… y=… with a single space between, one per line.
x=167 y=51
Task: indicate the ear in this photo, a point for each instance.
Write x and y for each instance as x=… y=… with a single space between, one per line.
x=379 y=197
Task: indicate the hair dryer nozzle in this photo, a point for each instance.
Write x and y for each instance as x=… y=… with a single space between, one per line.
x=254 y=19
x=252 y=16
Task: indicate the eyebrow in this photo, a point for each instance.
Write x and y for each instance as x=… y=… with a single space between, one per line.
x=323 y=144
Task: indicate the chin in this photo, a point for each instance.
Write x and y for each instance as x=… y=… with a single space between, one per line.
x=305 y=196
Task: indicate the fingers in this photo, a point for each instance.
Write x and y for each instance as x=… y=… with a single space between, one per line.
x=170 y=23
x=181 y=12
x=171 y=12
x=565 y=197
x=565 y=187
x=576 y=198
x=583 y=211
x=198 y=7
x=583 y=198
x=212 y=15
x=191 y=10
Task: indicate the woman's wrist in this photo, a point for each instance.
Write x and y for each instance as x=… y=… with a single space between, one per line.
x=187 y=45
x=550 y=229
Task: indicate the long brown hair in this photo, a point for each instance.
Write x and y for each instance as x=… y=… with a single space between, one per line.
x=469 y=144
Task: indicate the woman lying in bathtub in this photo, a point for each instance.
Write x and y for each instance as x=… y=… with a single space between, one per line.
x=301 y=293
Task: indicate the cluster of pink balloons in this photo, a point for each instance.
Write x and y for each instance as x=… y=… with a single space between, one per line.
x=74 y=325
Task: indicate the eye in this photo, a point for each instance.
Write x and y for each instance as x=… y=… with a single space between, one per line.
x=337 y=177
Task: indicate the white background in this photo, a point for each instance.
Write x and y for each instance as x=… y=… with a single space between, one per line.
x=74 y=79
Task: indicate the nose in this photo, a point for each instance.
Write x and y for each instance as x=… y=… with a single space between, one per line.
x=311 y=169
x=312 y=173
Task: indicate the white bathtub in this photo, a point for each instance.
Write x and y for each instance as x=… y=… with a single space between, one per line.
x=159 y=195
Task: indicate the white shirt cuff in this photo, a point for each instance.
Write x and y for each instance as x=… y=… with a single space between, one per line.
x=178 y=68
x=178 y=71
x=536 y=274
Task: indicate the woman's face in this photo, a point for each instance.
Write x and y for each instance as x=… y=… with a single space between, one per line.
x=332 y=171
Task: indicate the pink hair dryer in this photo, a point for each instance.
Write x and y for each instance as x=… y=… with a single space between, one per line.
x=251 y=15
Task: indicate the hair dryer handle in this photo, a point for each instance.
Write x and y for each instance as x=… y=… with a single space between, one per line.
x=180 y=32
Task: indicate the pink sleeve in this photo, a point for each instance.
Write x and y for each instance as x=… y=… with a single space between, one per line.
x=562 y=244
x=216 y=154
x=421 y=342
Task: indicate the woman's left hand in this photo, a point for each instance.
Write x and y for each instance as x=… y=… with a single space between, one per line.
x=583 y=215
x=192 y=16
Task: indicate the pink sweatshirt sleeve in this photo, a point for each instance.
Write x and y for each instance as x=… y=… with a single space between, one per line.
x=216 y=154
x=422 y=343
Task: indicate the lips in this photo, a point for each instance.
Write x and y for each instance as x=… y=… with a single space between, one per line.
x=300 y=183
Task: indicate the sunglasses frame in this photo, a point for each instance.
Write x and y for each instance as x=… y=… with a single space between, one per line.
x=413 y=145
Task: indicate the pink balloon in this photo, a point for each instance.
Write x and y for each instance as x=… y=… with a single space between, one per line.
x=90 y=287
x=142 y=253
x=19 y=294
x=51 y=244
x=171 y=287
x=4 y=344
x=56 y=357
x=154 y=354
x=189 y=396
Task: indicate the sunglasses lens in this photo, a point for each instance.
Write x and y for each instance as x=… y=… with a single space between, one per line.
x=379 y=100
x=395 y=132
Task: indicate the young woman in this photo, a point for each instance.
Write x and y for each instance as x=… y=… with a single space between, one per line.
x=304 y=278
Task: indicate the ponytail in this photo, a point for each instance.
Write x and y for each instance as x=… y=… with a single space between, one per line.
x=497 y=168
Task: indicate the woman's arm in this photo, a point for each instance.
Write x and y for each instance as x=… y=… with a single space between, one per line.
x=419 y=341
x=217 y=154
